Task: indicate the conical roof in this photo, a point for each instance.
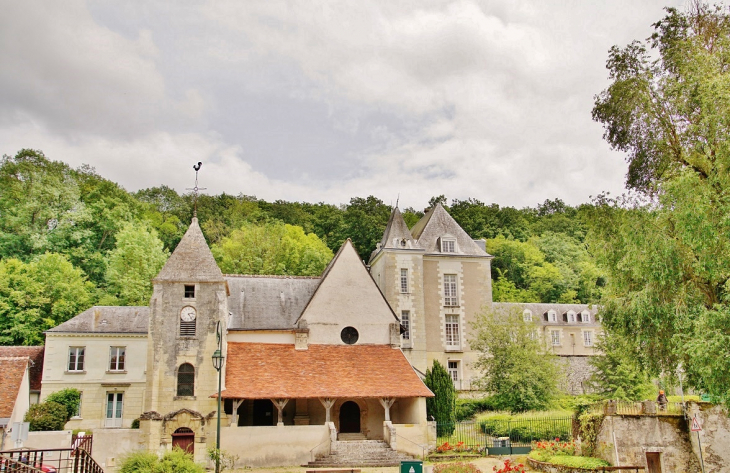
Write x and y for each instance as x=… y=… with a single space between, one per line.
x=396 y=231
x=191 y=260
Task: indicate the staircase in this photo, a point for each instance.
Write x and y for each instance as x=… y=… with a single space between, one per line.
x=351 y=450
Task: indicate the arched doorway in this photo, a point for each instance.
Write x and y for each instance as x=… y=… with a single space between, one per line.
x=184 y=438
x=350 y=418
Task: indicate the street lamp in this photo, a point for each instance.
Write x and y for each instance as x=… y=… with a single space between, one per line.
x=218 y=364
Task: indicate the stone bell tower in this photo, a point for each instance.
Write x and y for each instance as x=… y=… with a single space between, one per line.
x=189 y=300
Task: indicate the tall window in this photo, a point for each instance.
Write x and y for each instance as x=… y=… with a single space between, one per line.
x=114 y=403
x=453 y=339
x=454 y=371
x=116 y=358
x=78 y=407
x=451 y=296
x=186 y=380
x=405 y=320
x=404 y=280
x=555 y=336
x=76 y=359
x=588 y=338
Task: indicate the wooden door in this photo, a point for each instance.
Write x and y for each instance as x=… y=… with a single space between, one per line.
x=184 y=439
x=653 y=462
x=350 y=417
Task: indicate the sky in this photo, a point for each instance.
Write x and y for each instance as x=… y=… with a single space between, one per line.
x=322 y=101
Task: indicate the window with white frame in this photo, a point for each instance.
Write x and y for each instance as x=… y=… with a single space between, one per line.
x=527 y=315
x=448 y=245
x=552 y=316
x=78 y=407
x=405 y=321
x=555 y=337
x=451 y=295
x=76 y=358
x=404 y=280
x=588 y=338
x=116 y=358
x=453 y=337
x=571 y=316
x=453 y=368
x=585 y=317
x=114 y=402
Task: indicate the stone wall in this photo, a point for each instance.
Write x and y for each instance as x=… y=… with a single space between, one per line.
x=714 y=437
x=111 y=445
x=577 y=371
x=274 y=446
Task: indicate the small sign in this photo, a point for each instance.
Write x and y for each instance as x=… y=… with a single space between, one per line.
x=412 y=470
x=695 y=425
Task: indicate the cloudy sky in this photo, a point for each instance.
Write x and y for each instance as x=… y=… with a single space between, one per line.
x=322 y=101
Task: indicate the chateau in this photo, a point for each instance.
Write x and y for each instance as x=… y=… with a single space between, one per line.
x=307 y=361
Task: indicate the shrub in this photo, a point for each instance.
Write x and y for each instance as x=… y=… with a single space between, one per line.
x=46 y=416
x=527 y=427
x=510 y=466
x=69 y=398
x=441 y=406
x=468 y=408
x=578 y=462
x=176 y=461
x=135 y=424
x=458 y=467
x=590 y=425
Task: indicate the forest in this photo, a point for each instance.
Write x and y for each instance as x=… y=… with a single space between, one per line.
x=70 y=238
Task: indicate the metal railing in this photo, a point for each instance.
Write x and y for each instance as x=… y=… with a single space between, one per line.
x=500 y=436
x=53 y=460
x=645 y=408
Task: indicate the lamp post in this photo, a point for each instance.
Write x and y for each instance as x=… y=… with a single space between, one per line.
x=218 y=365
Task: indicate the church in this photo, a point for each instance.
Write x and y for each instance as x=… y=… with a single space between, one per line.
x=310 y=363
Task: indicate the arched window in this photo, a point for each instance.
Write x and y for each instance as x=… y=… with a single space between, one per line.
x=186 y=380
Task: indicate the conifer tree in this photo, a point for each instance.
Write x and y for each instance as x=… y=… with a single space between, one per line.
x=442 y=406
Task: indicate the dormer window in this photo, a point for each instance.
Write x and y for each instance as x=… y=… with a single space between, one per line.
x=571 y=317
x=527 y=315
x=189 y=291
x=448 y=244
x=585 y=317
x=552 y=316
x=403 y=243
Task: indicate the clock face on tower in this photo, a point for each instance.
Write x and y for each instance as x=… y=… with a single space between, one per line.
x=187 y=314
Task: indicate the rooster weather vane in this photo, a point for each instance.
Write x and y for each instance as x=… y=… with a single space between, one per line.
x=196 y=189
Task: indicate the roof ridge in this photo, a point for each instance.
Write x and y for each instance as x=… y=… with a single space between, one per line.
x=270 y=276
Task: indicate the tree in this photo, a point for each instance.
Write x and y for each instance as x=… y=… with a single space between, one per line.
x=46 y=416
x=70 y=398
x=441 y=407
x=272 y=248
x=617 y=372
x=137 y=258
x=517 y=367
x=39 y=295
x=665 y=249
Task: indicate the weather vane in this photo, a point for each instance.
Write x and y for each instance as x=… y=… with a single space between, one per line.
x=196 y=189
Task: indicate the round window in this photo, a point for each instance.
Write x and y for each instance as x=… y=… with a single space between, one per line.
x=349 y=335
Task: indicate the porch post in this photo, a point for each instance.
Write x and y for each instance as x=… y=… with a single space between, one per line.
x=327 y=403
x=280 y=403
x=234 y=418
x=387 y=402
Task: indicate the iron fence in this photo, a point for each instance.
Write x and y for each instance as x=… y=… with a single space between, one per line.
x=502 y=435
x=54 y=460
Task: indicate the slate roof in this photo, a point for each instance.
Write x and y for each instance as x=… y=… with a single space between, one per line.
x=436 y=223
x=540 y=310
x=12 y=370
x=35 y=354
x=265 y=371
x=268 y=302
x=107 y=319
x=396 y=229
x=191 y=260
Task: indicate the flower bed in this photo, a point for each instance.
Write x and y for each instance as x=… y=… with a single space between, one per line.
x=556 y=456
x=459 y=450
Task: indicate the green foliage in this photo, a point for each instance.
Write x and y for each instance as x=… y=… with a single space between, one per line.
x=577 y=403
x=69 y=398
x=39 y=295
x=516 y=366
x=666 y=251
x=272 y=248
x=442 y=406
x=175 y=461
x=131 y=266
x=528 y=426
x=578 y=462
x=590 y=426
x=226 y=460
x=468 y=408
x=135 y=424
x=46 y=416
x=617 y=373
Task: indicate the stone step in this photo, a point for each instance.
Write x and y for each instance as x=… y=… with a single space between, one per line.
x=351 y=436
x=360 y=453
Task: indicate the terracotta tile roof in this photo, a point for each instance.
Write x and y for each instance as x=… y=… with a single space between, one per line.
x=267 y=370
x=12 y=370
x=36 y=358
